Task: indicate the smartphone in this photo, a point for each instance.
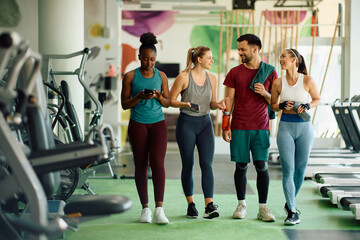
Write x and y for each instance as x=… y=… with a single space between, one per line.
x=148 y=91
x=194 y=107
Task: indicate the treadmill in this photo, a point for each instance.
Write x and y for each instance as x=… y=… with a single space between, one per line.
x=339 y=120
x=347 y=118
x=345 y=191
x=351 y=203
x=350 y=116
x=333 y=191
x=347 y=115
x=337 y=177
x=326 y=189
x=352 y=121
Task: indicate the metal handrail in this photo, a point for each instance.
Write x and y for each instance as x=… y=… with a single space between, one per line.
x=79 y=72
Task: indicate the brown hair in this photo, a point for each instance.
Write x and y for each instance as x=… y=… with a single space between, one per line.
x=193 y=54
x=300 y=62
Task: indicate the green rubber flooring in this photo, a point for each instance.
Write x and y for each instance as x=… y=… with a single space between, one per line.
x=319 y=219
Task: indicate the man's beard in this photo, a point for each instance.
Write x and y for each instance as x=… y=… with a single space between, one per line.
x=246 y=59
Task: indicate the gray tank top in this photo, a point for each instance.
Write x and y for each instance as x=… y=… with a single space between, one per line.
x=200 y=95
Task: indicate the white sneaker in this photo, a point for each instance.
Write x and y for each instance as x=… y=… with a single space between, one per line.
x=265 y=214
x=240 y=211
x=159 y=216
x=145 y=215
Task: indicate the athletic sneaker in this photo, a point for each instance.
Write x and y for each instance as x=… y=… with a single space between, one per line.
x=191 y=211
x=240 y=211
x=292 y=218
x=159 y=216
x=265 y=214
x=145 y=215
x=211 y=211
x=287 y=210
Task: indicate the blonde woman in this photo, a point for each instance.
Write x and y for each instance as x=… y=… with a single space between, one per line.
x=194 y=126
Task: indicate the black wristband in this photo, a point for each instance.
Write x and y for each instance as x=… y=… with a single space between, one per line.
x=283 y=105
x=305 y=106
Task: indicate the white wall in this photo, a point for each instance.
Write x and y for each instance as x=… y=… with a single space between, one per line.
x=353 y=49
x=104 y=16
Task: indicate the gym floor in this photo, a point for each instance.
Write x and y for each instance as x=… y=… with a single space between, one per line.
x=319 y=218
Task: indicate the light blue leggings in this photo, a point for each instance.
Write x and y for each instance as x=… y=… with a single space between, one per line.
x=295 y=138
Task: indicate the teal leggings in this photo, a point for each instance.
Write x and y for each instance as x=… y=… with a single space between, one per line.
x=295 y=138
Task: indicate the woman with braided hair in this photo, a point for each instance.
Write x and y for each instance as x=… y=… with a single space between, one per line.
x=294 y=94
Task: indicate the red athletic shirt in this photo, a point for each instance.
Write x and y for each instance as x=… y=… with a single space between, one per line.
x=250 y=109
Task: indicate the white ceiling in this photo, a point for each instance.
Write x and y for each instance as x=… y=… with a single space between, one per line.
x=183 y=5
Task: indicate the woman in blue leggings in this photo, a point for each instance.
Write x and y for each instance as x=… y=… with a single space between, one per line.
x=194 y=125
x=294 y=94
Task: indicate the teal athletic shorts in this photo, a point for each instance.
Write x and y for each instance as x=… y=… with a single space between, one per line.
x=244 y=141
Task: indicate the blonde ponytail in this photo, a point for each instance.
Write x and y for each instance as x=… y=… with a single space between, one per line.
x=189 y=61
x=192 y=56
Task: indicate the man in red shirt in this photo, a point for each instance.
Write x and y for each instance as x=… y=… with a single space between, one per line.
x=247 y=94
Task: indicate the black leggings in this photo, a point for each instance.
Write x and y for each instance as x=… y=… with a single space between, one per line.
x=262 y=181
x=194 y=131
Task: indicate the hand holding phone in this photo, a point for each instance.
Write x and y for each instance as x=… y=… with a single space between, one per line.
x=194 y=107
x=148 y=91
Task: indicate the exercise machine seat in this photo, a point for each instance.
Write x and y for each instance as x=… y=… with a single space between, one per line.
x=94 y=205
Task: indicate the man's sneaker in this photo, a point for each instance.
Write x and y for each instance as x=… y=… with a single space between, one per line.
x=191 y=211
x=292 y=218
x=159 y=216
x=211 y=211
x=240 y=211
x=145 y=215
x=265 y=214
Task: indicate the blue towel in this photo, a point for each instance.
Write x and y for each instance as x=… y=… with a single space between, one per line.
x=264 y=71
